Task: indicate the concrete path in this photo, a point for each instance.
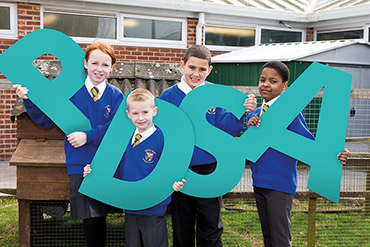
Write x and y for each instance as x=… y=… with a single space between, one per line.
x=8 y=176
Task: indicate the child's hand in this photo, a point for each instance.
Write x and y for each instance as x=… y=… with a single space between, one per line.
x=343 y=157
x=77 y=139
x=21 y=91
x=178 y=185
x=250 y=103
x=87 y=170
x=255 y=121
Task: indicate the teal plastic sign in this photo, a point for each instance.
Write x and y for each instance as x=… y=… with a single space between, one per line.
x=190 y=118
x=321 y=154
x=153 y=189
x=51 y=97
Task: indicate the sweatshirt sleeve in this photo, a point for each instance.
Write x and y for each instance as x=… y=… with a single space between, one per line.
x=95 y=135
x=36 y=114
x=299 y=126
x=226 y=121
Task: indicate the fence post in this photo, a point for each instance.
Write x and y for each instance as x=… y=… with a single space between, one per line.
x=311 y=222
x=367 y=199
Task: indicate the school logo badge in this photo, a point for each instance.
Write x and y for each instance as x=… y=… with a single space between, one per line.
x=107 y=111
x=212 y=111
x=149 y=156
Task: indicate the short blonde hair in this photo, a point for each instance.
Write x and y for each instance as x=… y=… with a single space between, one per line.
x=140 y=94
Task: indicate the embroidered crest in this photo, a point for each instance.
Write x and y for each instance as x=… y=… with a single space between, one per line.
x=149 y=156
x=107 y=111
x=212 y=111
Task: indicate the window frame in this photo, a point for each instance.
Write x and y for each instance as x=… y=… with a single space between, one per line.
x=13 y=32
x=228 y=48
x=83 y=13
x=334 y=30
x=120 y=40
x=301 y=30
x=153 y=42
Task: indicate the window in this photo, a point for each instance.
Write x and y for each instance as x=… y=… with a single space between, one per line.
x=279 y=36
x=5 y=18
x=153 y=31
x=8 y=17
x=89 y=26
x=224 y=36
x=117 y=28
x=349 y=34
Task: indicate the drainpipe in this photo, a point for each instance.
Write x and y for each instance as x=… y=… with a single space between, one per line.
x=200 y=25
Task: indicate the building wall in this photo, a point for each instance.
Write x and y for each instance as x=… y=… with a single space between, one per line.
x=8 y=129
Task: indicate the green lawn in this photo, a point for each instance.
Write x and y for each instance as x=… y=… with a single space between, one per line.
x=342 y=224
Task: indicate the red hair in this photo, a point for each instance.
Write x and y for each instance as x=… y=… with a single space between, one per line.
x=107 y=49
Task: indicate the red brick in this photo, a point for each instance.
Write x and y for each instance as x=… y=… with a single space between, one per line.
x=131 y=48
x=32 y=23
x=125 y=53
x=33 y=12
x=25 y=17
x=130 y=57
x=165 y=50
x=24 y=6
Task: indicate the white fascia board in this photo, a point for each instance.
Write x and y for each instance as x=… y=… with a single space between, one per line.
x=180 y=6
x=349 y=12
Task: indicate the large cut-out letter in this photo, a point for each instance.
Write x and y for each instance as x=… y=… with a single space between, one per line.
x=157 y=186
x=224 y=147
x=51 y=97
x=321 y=154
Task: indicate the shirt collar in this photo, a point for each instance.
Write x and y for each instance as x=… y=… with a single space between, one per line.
x=146 y=134
x=101 y=87
x=271 y=101
x=183 y=86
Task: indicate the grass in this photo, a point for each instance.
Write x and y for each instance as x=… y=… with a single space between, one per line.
x=342 y=224
x=8 y=222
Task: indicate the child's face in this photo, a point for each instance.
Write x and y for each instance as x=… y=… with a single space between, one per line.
x=98 y=66
x=195 y=71
x=271 y=84
x=141 y=114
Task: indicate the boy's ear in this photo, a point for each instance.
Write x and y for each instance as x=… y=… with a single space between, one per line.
x=210 y=69
x=128 y=114
x=85 y=63
x=182 y=65
x=285 y=85
x=155 y=111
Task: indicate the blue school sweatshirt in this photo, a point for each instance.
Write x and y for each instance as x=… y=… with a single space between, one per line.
x=275 y=170
x=99 y=112
x=138 y=162
x=220 y=118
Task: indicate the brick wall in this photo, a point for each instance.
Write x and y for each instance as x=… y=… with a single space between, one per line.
x=8 y=130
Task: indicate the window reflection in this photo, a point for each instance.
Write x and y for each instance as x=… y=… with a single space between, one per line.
x=229 y=36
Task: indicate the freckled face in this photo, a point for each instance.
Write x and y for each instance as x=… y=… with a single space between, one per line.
x=271 y=84
x=141 y=114
x=98 y=66
x=195 y=71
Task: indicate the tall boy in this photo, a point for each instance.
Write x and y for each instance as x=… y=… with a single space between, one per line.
x=147 y=227
x=275 y=174
x=186 y=211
